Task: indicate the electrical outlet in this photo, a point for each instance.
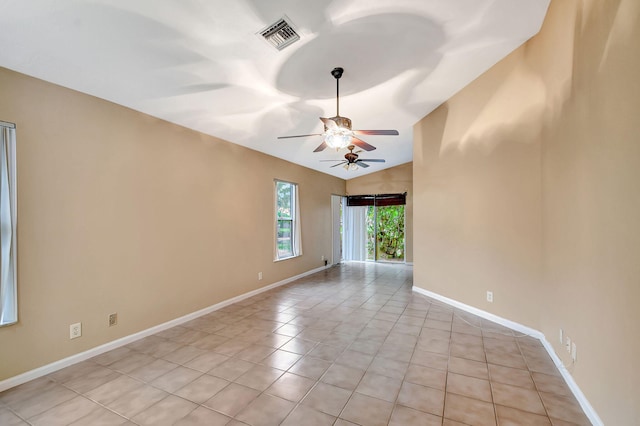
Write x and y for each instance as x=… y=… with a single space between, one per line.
x=574 y=352
x=322 y=258
x=567 y=344
x=490 y=296
x=113 y=319
x=259 y=275
x=75 y=330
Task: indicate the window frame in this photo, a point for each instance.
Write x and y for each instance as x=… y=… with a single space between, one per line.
x=11 y=290
x=293 y=219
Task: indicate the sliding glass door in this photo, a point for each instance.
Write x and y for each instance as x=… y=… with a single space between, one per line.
x=374 y=227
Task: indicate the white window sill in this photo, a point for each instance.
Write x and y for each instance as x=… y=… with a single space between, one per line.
x=286 y=258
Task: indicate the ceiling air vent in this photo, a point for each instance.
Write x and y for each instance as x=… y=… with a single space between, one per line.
x=280 y=34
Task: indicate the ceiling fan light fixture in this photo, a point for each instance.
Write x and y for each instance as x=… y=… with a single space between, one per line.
x=337 y=130
x=353 y=167
x=338 y=137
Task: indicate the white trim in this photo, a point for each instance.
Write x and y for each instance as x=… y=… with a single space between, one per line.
x=336 y=240
x=9 y=312
x=286 y=258
x=74 y=359
x=296 y=229
x=575 y=389
x=483 y=314
x=582 y=399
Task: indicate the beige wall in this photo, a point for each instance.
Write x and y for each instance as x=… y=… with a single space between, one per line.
x=526 y=183
x=477 y=207
x=390 y=181
x=121 y=212
x=591 y=210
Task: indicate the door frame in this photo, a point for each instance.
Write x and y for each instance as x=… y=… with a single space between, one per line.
x=336 y=228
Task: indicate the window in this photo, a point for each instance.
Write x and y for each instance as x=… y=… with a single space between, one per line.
x=8 y=290
x=287 y=221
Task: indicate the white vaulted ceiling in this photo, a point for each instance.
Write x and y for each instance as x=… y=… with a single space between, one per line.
x=201 y=64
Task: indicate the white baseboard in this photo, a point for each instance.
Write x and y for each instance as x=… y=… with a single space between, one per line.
x=83 y=356
x=582 y=399
x=483 y=314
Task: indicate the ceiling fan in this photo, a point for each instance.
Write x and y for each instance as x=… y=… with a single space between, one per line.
x=337 y=130
x=351 y=161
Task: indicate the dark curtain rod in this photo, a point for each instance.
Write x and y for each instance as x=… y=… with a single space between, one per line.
x=377 y=200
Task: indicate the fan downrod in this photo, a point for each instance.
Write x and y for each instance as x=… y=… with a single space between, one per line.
x=337 y=73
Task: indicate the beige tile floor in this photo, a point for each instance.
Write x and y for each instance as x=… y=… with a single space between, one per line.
x=351 y=345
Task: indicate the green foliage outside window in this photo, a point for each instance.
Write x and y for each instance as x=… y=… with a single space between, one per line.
x=390 y=233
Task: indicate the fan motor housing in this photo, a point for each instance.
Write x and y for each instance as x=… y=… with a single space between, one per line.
x=351 y=157
x=343 y=122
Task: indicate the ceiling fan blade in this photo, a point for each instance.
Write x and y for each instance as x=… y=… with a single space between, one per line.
x=299 y=136
x=320 y=147
x=340 y=164
x=376 y=132
x=362 y=144
x=361 y=164
x=372 y=160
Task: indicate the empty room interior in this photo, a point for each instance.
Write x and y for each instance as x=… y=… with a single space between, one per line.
x=177 y=223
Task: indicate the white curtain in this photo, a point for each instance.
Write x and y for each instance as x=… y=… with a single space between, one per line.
x=354 y=236
x=336 y=229
x=8 y=300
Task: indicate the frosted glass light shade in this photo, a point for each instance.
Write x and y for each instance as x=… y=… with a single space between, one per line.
x=338 y=138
